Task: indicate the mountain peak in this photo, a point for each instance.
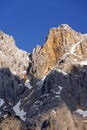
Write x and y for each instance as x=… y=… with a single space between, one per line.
x=64 y=26
x=38 y=91
x=62 y=42
x=11 y=57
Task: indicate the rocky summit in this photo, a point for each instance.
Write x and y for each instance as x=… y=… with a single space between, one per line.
x=45 y=89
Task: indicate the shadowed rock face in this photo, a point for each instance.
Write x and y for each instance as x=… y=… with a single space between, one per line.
x=47 y=89
x=11 y=86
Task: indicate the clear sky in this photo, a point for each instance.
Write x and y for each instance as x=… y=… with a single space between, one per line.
x=30 y=20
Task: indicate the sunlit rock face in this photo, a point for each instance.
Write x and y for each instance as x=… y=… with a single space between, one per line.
x=47 y=89
x=11 y=123
x=11 y=57
x=63 y=48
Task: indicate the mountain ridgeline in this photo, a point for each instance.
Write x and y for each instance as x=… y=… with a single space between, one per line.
x=47 y=89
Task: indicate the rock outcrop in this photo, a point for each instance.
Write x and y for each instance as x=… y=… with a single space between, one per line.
x=11 y=57
x=47 y=89
x=59 y=42
x=63 y=48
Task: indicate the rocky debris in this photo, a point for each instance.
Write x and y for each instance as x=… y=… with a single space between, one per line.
x=11 y=57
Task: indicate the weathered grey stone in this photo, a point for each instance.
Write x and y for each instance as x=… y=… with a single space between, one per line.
x=11 y=57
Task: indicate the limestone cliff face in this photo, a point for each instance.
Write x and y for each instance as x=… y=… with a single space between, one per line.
x=11 y=57
x=62 y=44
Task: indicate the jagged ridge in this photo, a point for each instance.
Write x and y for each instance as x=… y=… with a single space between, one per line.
x=47 y=88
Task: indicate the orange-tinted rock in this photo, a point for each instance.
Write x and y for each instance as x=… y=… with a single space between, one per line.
x=59 y=42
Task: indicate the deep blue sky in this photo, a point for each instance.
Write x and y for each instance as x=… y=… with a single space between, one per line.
x=30 y=20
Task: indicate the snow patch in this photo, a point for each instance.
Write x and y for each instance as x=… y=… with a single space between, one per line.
x=60 y=71
x=27 y=58
x=45 y=95
x=60 y=88
x=29 y=95
x=65 y=26
x=57 y=96
x=57 y=92
x=20 y=85
x=39 y=102
x=28 y=85
x=75 y=46
x=14 y=72
x=81 y=112
x=40 y=83
x=19 y=112
x=83 y=63
x=53 y=111
x=1 y=102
